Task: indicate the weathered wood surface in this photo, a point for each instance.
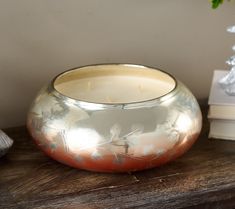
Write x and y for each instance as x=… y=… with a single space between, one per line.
x=202 y=178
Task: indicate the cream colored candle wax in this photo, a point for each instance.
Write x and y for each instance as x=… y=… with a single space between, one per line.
x=114 y=84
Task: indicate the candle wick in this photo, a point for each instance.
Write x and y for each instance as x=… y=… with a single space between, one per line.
x=140 y=87
x=108 y=99
x=89 y=85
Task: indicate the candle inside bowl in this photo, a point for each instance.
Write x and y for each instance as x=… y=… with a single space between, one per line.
x=114 y=118
x=114 y=84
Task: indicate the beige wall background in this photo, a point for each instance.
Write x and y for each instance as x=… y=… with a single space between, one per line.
x=42 y=38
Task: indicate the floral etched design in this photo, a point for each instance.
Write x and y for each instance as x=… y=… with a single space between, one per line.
x=122 y=141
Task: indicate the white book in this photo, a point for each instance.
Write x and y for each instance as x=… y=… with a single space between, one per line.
x=222 y=129
x=217 y=94
x=221 y=112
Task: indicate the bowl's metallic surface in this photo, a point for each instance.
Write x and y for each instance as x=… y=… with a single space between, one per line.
x=115 y=137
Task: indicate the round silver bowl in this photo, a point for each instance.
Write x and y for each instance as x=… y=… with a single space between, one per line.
x=114 y=118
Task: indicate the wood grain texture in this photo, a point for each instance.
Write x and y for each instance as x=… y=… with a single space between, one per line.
x=202 y=178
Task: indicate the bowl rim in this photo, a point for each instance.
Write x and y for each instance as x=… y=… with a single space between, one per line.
x=98 y=105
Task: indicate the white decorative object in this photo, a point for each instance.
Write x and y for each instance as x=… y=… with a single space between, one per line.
x=5 y=143
x=228 y=81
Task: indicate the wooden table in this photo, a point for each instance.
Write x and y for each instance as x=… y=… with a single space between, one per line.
x=202 y=178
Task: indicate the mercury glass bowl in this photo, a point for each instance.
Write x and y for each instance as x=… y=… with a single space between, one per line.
x=75 y=125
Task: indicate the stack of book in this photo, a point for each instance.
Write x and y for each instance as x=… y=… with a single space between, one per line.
x=221 y=110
